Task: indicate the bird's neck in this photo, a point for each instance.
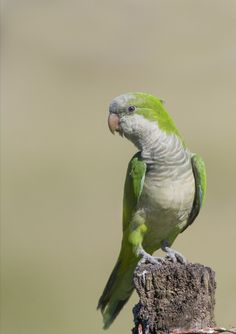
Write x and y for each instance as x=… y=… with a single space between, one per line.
x=163 y=151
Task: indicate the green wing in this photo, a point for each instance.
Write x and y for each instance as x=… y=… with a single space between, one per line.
x=120 y=284
x=199 y=172
x=133 y=187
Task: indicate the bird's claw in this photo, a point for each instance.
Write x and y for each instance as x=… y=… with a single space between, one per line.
x=145 y=257
x=173 y=255
x=176 y=257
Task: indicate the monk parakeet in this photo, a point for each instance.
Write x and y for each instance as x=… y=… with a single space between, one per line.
x=164 y=191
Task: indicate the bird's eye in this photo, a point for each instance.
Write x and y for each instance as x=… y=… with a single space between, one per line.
x=131 y=108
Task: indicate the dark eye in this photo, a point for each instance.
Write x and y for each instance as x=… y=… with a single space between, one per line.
x=131 y=108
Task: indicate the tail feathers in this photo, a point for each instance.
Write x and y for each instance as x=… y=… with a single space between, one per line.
x=112 y=311
x=117 y=290
x=102 y=303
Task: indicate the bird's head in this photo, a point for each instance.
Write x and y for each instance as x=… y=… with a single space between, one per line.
x=136 y=115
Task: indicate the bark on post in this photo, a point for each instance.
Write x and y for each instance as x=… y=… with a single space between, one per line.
x=173 y=297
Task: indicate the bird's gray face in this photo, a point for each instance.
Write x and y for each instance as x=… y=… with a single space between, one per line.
x=135 y=115
x=122 y=116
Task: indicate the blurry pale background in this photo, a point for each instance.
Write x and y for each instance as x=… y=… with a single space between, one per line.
x=63 y=172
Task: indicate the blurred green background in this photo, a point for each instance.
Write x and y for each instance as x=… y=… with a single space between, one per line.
x=63 y=172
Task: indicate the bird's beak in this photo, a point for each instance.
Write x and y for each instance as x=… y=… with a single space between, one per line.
x=113 y=123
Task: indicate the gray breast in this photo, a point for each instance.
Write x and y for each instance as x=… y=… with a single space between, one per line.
x=169 y=185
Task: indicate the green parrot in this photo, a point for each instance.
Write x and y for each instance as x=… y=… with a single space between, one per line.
x=164 y=191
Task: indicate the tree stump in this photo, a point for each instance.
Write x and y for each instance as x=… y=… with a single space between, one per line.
x=174 y=297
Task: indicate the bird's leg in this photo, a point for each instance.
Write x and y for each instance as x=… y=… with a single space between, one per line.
x=138 y=229
x=173 y=254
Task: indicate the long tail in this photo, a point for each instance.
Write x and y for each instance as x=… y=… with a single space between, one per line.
x=119 y=286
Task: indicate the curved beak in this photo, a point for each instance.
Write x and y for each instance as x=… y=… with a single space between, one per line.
x=113 y=123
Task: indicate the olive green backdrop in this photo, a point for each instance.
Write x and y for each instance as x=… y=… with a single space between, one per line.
x=63 y=172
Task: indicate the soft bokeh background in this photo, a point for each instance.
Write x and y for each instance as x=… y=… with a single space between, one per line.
x=63 y=172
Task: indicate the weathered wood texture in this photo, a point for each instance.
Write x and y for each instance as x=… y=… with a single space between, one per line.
x=174 y=296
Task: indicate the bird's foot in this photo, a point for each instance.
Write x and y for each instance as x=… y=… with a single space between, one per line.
x=147 y=258
x=172 y=254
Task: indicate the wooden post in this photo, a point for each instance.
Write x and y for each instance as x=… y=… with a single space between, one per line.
x=174 y=298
